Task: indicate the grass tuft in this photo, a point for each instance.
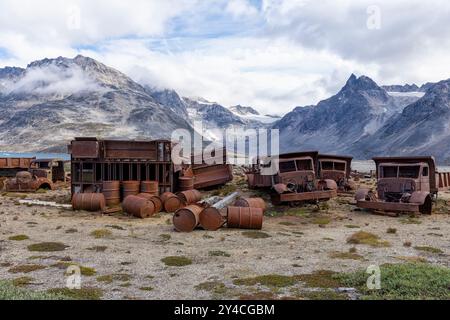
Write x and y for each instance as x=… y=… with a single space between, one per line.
x=176 y=261
x=367 y=238
x=47 y=247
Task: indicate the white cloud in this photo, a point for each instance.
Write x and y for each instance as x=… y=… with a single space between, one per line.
x=241 y=8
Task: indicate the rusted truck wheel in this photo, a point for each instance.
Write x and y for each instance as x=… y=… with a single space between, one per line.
x=427 y=206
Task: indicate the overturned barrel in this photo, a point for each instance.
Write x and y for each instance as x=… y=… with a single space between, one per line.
x=171 y=202
x=88 y=201
x=151 y=187
x=187 y=218
x=212 y=219
x=138 y=207
x=111 y=191
x=245 y=218
x=190 y=196
x=130 y=188
x=251 y=203
x=186 y=183
x=156 y=200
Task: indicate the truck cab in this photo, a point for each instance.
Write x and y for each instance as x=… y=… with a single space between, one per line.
x=51 y=169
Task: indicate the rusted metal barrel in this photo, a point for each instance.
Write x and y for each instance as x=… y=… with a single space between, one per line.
x=130 y=188
x=190 y=196
x=251 y=202
x=186 y=183
x=156 y=200
x=171 y=202
x=245 y=218
x=151 y=187
x=111 y=191
x=138 y=207
x=212 y=219
x=88 y=201
x=187 y=218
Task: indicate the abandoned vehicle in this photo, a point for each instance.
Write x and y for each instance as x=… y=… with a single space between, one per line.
x=295 y=179
x=403 y=184
x=336 y=168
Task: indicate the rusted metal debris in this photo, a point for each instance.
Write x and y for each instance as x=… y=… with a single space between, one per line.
x=187 y=219
x=403 y=184
x=138 y=206
x=295 y=180
x=251 y=203
x=214 y=217
x=26 y=182
x=337 y=168
x=245 y=217
x=171 y=202
x=89 y=202
x=9 y=167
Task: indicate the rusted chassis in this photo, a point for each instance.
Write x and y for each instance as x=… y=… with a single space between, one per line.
x=304 y=196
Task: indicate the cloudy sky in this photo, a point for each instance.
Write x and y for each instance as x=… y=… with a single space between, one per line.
x=270 y=54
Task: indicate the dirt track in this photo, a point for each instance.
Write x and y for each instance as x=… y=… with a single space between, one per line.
x=299 y=243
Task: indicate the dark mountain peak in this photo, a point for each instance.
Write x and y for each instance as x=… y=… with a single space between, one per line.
x=361 y=83
x=241 y=110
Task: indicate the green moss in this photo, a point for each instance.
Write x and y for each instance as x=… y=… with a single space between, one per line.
x=20 y=237
x=8 y=291
x=85 y=271
x=256 y=234
x=125 y=285
x=146 y=288
x=215 y=287
x=321 y=221
x=101 y=233
x=47 y=247
x=41 y=191
x=109 y=278
x=391 y=230
x=429 y=249
x=346 y=256
x=352 y=226
x=98 y=248
x=367 y=238
x=320 y=279
x=410 y=220
x=219 y=253
x=116 y=227
x=176 y=261
x=225 y=190
x=165 y=237
x=287 y=223
x=22 y=281
x=270 y=280
x=207 y=236
x=78 y=294
x=410 y=281
x=26 y=268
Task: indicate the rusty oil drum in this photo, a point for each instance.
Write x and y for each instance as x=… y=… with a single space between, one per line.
x=187 y=218
x=138 y=207
x=130 y=188
x=186 y=183
x=252 y=203
x=171 y=202
x=155 y=199
x=111 y=191
x=88 y=201
x=245 y=218
x=151 y=187
x=190 y=196
x=212 y=219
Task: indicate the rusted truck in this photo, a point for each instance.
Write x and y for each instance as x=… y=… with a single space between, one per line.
x=406 y=184
x=294 y=180
x=9 y=167
x=337 y=168
x=41 y=174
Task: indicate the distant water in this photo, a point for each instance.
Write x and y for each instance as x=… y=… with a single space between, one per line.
x=38 y=155
x=365 y=166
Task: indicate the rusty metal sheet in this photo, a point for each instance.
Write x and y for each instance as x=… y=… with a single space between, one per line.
x=15 y=163
x=130 y=149
x=388 y=206
x=305 y=196
x=208 y=176
x=85 y=149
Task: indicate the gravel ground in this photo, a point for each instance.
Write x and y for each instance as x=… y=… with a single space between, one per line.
x=297 y=245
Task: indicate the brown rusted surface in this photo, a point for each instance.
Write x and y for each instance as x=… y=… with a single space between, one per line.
x=190 y=196
x=26 y=182
x=304 y=196
x=151 y=187
x=138 y=207
x=403 y=184
x=156 y=200
x=211 y=175
x=334 y=167
x=212 y=219
x=251 y=202
x=186 y=183
x=9 y=167
x=130 y=188
x=171 y=202
x=245 y=218
x=88 y=201
x=111 y=191
x=187 y=218
x=121 y=161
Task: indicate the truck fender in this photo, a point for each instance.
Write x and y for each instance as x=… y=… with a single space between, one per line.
x=361 y=194
x=327 y=184
x=419 y=197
